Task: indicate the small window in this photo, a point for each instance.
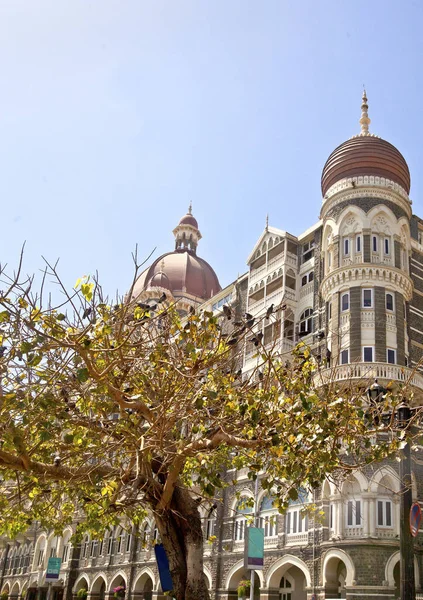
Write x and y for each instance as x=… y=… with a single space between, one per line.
x=374 y=243
x=384 y=513
x=358 y=243
x=304 y=280
x=345 y=302
x=306 y=321
x=367 y=298
x=346 y=247
x=389 y=302
x=386 y=246
x=329 y=259
x=329 y=311
x=311 y=276
x=391 y=356
x=368 y=354
x=353 y=513
x=344 y=357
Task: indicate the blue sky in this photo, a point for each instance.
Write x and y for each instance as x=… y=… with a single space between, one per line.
x=115 y=114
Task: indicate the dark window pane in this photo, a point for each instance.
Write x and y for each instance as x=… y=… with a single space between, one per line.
x=379 y=512
x=391 y=357
x=349 y=516
x=345 y=302
x=368 y=354
x=367 y=298
x=388 y=515
x=358 y=512
x=389 y=302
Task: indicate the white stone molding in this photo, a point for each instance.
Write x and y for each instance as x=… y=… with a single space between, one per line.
x=347 y=192
x=122 y=574
x=390 y=566
x=282 y=565
x=365 y=180
x=101 y=575
x=82 y=576
x=385 y=471
x=145 y=571
x=345 y=558
x=366 y=274
x=208 y=574
x=239 y=566
x=16 y=589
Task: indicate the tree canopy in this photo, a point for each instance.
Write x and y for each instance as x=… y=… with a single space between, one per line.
x=116 y=409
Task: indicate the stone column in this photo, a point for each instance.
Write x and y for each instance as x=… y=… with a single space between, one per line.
x=380 y=324
x=335 y=255
x=366 y=516
x=399 y=312
x=366 y=245
x=355 y=324
x=397 y=251
x=372 y=516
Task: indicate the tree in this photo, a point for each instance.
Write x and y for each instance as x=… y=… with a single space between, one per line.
x=126 y=408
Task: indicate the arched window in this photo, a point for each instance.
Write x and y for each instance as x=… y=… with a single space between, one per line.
x=240 y=519
x=128 y=541
x=119 y=540
x=85 y=546
x=210 y=522
x=389 y=301
x=296 y=520
x=306 y=321
x=353 y=507
x=268 y=517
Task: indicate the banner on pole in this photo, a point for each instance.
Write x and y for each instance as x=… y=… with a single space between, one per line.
x=163 y=566
x=254 y=548
x=53 y=567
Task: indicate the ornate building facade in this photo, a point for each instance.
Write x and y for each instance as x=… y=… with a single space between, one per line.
x=351 y=287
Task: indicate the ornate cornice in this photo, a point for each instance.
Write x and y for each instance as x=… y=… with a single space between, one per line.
x=366 y=187
x=360 y=274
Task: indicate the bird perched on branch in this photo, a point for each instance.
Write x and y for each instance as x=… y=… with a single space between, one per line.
x=162 y=298
x=86 y=312
x=257 y=338
x=269 y=311
x=227 y=311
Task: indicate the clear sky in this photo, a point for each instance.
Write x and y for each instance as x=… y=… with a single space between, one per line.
x=115 y=114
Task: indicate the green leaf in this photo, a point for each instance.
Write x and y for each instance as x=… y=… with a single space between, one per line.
x=82 y=375
x=4 y=316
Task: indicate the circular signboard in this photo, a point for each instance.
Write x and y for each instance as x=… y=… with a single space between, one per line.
x=415 y=518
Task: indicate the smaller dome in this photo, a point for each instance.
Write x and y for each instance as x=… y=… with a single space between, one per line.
x=188 y=219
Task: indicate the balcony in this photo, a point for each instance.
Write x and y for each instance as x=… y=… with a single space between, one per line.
x=363 y=373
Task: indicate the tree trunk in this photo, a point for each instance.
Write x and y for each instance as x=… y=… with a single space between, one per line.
x=182 y=536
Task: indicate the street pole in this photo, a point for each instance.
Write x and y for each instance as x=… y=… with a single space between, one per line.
x=407 y=583
x=256 y=523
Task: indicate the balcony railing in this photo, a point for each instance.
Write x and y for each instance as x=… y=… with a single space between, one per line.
x=384 y=372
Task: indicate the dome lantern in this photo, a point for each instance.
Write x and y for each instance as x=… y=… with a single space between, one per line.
x=187 y=235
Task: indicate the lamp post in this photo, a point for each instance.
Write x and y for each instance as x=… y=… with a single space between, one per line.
x=407 y=582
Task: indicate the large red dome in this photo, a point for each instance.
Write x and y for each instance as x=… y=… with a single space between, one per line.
x=180 y=272
x=365 y=155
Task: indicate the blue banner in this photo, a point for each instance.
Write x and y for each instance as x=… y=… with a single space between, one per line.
x=163 y=566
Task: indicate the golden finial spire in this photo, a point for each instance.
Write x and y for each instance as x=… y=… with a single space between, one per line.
x=364 y=121
x=267 y=221
x=190 y=208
